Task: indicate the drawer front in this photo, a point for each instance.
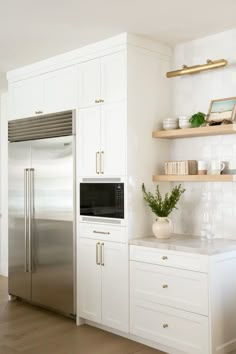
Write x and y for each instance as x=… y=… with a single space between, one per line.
x=182 y=289
x=103 y=232
x=175 y=259
x=177 y=329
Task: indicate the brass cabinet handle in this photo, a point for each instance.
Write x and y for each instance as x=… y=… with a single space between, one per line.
x=97 y=101
x=165 y=286
x=165 y=325
x=98 y=262
x=164 y=258
x=38 y=112
x=102 y=254
x=101 y=232
x=97 y=156
x=102 y=162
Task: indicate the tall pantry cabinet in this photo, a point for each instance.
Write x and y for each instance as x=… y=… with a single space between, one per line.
x=121 y=98
x=120 y=94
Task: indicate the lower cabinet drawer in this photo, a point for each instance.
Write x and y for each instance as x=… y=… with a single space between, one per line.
x=182 y=289
x=182 y=330
x=170 y=258
x=103 y=232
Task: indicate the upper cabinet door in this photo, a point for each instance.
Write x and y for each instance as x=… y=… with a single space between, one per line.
x=60 y=90
x=113 y=139
x=26 y=98
x=89 y=88
x=89 y=141
x=113 y=77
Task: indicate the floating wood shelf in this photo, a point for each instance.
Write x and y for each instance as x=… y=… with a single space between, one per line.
x=195 y=132
x=194 y=178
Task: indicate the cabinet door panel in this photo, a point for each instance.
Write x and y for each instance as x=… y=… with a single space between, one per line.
x=89 y=141
x=89 y=281
x=115 y=286
x=113 y=138
x=60 y=90
x=113 y=77
x=26 y=97
x=89 y=83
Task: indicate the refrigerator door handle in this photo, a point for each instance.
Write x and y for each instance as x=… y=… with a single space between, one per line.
x=30 y=213
x=26 y=207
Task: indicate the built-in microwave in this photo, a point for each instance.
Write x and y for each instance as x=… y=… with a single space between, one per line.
x=102 y=198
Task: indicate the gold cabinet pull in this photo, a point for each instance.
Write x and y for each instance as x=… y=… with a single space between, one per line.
x=165 y=286
x=102 y=254
x=98 y=262
x=102 y=162
x=97 y=101
x=164 y=258
x=97 y=157
x=165 y=325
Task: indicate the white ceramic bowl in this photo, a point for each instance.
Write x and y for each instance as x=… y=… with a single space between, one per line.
x=184 y=124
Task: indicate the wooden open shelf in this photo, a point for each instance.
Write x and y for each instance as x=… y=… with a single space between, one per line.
x=194 y=178
x=195 y=132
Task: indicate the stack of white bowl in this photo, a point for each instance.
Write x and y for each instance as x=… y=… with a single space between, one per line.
x=170 y=123
x=184 y=122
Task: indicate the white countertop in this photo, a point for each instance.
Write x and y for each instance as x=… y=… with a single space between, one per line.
x=187 y=243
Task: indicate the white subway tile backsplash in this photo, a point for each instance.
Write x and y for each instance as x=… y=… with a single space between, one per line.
x=194 y=93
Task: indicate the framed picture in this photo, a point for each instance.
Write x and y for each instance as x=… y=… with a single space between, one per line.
x=222 y=110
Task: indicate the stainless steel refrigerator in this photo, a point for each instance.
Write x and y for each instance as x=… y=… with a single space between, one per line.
x=42 y=211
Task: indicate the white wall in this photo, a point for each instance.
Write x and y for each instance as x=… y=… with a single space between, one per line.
x=4 y=186
x=191 y=94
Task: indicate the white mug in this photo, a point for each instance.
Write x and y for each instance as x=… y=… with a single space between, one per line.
x=216 y=167
x=202 y=167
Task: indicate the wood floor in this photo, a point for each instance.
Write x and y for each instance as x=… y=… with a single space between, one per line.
x=25 y=329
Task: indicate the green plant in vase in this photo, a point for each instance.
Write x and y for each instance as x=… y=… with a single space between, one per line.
x=162 y=207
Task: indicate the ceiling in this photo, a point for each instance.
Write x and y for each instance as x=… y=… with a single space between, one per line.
x=33 y=30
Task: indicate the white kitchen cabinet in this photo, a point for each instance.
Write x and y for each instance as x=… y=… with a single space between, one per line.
x=102 y=80
x=89 y=86
x=115 y=285
x=102 y=143
x=113 y=77
x=103 y=283
x=89 y=281
x=89 y=141
x=113 y=139
x=26 y=97
x=184 y=301
x=51 y=92
x=60 y=90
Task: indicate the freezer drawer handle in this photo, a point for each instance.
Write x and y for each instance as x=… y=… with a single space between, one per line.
x=101 y=232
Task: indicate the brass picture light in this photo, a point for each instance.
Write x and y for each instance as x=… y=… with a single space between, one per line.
x=186 y=70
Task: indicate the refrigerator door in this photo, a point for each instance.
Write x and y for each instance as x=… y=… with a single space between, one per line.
x=19 y=247
x=52 y=178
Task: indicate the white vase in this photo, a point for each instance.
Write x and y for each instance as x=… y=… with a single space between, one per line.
x=162 y=227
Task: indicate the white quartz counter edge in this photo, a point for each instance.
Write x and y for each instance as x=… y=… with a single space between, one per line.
x=186 y=243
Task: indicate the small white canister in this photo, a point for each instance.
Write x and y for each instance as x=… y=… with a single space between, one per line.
x=202 y=167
